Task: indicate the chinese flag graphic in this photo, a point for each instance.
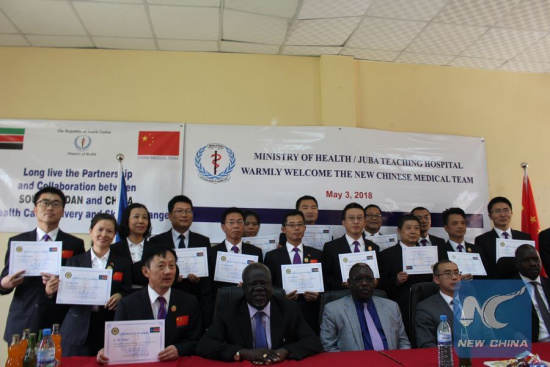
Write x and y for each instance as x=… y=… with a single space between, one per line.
x=529 y=216
x=159 y=143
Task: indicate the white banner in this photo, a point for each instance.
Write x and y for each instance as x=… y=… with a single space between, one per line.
x=80 y=159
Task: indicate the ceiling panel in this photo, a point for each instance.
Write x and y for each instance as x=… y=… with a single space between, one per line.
x=214 y=3
x=385 y=34
x=538 y=52
x=185 y=22
x=475 y=12
x=406 y=9
x=500 y=43
x=312 y=9
x=49 y=17
x=529 y=15
x=114 y=20
x=246 y=27
x=375 y=55
x=279 y=8
x=13 y=40
x=446 y=39
x=325 y=32
x=5 y=25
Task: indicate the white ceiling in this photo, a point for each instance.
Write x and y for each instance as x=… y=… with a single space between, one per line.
x=511 y=35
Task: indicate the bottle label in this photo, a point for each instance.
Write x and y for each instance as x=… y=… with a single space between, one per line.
x=45 y=355
x=444 y=338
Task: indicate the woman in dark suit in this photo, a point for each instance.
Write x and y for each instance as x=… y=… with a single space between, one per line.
x=134 y=230
x=82 y=330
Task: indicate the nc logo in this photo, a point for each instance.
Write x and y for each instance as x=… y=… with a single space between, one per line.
x=488 y=310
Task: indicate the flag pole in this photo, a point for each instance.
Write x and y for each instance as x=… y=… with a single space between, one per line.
x=122 y=197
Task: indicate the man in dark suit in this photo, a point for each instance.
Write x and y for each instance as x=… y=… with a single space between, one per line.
x=425 y=218
x=528 y=263
x=158 y=300
x=396 y=282
x=373 y=220
x=544 y=249
x=180 y=214
x=353 y=220
x=259 y=328
x=500 y=212
x=295 y=252
x=454 y=222
x=30 y=306
x=232 y=223
x=310 y=208
x=447 y=276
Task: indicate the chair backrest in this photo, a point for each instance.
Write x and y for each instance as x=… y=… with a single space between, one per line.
x=419 y=292
x=230 y=294
x=330 y=296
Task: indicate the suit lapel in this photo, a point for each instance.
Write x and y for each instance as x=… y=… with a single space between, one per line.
x=384 y=321
x=276 y=324
x=246 y=325
x=351 y=314
x=87 y=259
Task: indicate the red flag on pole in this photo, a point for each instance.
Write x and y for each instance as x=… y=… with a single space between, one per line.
x=529 y=216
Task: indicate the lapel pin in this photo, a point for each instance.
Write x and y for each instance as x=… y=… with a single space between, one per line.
x=173 y=308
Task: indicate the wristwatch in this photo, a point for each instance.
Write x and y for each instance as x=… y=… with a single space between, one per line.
x=237 y=356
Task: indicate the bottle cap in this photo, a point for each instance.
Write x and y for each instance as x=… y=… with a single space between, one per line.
x=443 y=317
x=47 y=332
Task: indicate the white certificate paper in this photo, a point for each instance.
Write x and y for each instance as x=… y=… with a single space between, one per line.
x=134 y=341
x=230 y=266
x=467 y=262
x=348 y=260
x=419 y=260
x=303 y=278
x=192 y=260
x=266 y=243
x=384 y=241
x=507 y=248
x=35 y=257
x=84 y=286
x=317 y=236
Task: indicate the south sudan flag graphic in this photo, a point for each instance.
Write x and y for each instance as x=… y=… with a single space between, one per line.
x=11 y=138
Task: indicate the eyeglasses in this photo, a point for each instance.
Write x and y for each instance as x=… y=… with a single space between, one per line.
x=295 y=225
x=449 y=274
x=373 y=216
x=358 y=218
x=46 y=203
x=501 y=211
x=368 y=280
x=182 y=211
x=234 y=222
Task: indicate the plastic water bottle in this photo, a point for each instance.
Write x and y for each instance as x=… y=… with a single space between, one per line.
x=444 y=343
x=45 y=353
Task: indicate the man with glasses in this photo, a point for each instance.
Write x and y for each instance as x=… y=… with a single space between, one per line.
x=353 y=220
x=259 y=327
x=425 y=218
x=180 y=214
x=373 y=220
x=362 y=321
x=500 y=212
x=295 y=252
x=30 y=306
x=447 y=276
x=232 y=224
x=310 y=208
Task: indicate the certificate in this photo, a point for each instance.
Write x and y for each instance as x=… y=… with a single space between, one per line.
x=317 y=236
x=419 y=260
x=384 y=241
x=230 y=266
x=266 y=243
x=134 y=341
x=303 y=278
x=192 y=260
x=468 y=262
x=35 y=257
x=348 y=260
x=84 y=286
x=507 y=248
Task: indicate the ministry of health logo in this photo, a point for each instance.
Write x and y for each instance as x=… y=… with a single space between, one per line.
x=215 y=162
x=82 y=142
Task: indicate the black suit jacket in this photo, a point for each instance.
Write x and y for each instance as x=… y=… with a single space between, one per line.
x=183 y=320
x=436 y=241
x=30 y=307
x=76 y=326
x=232 y=331
x=447 y=247
x=203 y=289
x=487 y=242
x=247 y=249
x=275 y=258
x=332 y=274
x=122 y=249
x=545 y=282
x=544 y=249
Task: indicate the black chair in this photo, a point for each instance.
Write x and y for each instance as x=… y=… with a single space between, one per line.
x=330 y=296
x=419 y=292
x=230 y=294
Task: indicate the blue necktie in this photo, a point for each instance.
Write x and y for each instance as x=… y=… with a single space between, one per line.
x=261 y=340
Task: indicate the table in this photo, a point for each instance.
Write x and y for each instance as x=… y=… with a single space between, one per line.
x=408 y=358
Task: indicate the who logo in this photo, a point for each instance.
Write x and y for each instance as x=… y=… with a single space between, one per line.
x=492 y=319
x=215 y=162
